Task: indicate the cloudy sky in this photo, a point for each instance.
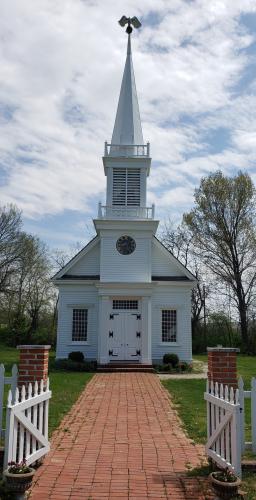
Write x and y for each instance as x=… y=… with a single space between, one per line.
x=61 y=64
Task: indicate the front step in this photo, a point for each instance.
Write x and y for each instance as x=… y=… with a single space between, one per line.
x=125 y=367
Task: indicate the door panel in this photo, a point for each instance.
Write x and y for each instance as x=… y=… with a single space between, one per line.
x=132 y=336
x=116 y=338
x=124 y=340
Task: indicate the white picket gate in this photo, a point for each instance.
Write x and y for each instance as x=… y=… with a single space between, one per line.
x=223 y=426
x=12 y=381
x=251 y=445
x=27 y=424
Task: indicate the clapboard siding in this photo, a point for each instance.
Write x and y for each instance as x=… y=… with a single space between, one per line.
x=88 y=264
x=75 y=295
x=162 y=263
x=179 y=299
x=125 y=268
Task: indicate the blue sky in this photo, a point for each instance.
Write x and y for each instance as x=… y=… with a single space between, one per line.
x=61 y=68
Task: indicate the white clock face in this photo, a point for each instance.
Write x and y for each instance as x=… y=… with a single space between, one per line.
x=125 y=245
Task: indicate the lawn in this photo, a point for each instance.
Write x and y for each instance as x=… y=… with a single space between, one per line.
x=65 y=386
x=188 y=396
x=189 y=400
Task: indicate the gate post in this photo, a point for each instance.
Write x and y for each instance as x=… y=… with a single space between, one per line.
x=222 y=365
x=33 y=364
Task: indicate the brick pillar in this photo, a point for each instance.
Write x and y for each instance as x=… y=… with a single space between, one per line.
x=222 y=365
x=33 y=363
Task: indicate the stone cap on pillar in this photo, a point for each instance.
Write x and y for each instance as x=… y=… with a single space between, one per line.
x=45 y=347
x=223 y=349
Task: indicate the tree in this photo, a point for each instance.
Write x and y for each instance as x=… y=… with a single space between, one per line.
x=179 y=242
x=31 y=289
x=10 y=233
x=223 y=227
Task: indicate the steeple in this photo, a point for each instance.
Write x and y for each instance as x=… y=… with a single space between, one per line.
x=127 y=128
x=127 y=159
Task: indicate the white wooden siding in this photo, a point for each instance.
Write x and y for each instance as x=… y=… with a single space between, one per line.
x=88 y=264
x=72 y=296
x=125 y=268
x=162 y=263
x=176 y=298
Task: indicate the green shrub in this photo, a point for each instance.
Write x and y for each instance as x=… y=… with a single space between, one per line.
x=171 y=359
x=75 y=366
x=76 y=356
x=185 y=367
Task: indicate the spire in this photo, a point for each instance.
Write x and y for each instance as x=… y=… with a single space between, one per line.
x=127 y=128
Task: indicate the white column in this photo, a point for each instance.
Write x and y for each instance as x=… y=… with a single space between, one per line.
x=146 y=356
x=104 y=310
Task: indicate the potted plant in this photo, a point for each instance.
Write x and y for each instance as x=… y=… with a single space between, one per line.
x=18 y=478
x=225 y=483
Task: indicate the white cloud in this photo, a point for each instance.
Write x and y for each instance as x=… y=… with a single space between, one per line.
x=61 y=67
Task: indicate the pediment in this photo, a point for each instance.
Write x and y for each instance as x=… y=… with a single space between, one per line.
x=165 y=264
x=85 y=262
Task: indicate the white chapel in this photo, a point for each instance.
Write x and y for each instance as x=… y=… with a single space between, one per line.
x=124 y=298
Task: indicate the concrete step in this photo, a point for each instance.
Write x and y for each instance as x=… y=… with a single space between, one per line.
x=125 y=367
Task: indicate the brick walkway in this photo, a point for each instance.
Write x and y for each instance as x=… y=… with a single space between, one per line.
x=122 y=439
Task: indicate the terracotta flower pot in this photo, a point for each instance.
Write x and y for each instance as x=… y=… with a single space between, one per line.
x=18 y=483
x=224 y=489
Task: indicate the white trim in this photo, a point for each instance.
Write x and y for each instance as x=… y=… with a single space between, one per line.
x=80 y=306
x=88 y=329
x=78 y=342
x=168 y=306
x=169 y=344
x=74 y=282
x=148 y=225
x=124 y=289
x=176 y=284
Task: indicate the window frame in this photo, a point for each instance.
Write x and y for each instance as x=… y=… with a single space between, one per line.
x=71 y=307
x=76 y=321
x=126 y=300
x=169 y=342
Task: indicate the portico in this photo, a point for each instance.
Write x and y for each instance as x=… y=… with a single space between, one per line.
x=125 y=323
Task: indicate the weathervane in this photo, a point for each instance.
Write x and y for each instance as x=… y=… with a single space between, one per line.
x=127 y=20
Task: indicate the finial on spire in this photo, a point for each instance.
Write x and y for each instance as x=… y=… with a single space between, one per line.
x=127 y=20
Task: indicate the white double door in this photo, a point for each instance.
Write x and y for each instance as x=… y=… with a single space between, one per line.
x=124 y=336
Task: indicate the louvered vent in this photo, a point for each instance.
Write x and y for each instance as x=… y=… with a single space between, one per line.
x=133 y=187
x=119 y=186
x=126 y=187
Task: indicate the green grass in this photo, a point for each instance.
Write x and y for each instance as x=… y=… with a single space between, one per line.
x=187 y=395
x=65 y=386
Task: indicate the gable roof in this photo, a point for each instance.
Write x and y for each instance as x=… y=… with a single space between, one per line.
x=174 y=259
x=61 y=274
x=76 y=258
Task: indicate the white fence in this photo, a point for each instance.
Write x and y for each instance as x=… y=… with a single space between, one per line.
x=242 y=396
x=223 y=426
x=12 y=381
x=27 y=424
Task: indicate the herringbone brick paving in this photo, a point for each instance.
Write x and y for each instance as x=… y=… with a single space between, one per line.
x=121 y=440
